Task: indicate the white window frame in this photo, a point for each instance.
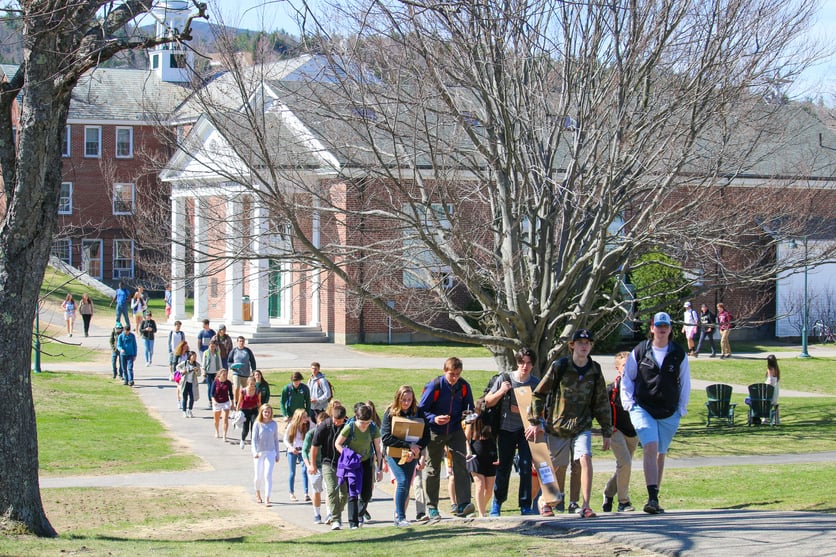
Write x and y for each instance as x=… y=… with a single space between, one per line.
x=120 y=269
x=86 y=262
x=120 y=185
x=427 y=271
x=130 y=153
x=67 y=247
x=98 y=130
x=66 y=208
x=66 y=147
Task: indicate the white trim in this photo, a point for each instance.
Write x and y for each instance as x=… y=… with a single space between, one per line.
x=130 y=130
x=60 y=197
x=68 y=137
x=133 y=199
x=86 y=267
x=99 y=154
x=120 y=122
x=69 y=242
x=122 y=272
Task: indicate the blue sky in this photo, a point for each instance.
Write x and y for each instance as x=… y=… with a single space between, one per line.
x=275 y=14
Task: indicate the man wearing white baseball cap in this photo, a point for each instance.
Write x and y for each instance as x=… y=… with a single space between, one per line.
x=655 y=390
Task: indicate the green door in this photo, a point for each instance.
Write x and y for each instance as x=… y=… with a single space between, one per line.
x=275 y=285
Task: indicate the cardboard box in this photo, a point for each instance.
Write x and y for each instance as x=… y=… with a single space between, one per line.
x=540 y=456
x=406 y=429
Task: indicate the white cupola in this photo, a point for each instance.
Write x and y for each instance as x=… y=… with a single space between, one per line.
x=172 y=62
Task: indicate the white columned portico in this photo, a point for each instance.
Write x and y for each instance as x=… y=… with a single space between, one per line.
x=201 y=280
x=178 y=258
x=316 y=273
x=234 y=283
x=259 y=285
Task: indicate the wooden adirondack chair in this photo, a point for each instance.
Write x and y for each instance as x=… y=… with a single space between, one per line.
x=760 y=404
x=719 y=405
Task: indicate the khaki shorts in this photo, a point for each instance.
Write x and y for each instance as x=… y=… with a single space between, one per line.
x=238 y=382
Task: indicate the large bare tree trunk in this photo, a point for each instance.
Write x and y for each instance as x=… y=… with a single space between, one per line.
x=62 y=40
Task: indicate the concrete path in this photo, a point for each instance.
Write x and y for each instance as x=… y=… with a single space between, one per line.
x=677 y=532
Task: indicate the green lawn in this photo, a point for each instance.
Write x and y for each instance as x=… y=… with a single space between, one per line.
x=441 y=350
x=811 y=375
x=82 y=419
x=82 y=423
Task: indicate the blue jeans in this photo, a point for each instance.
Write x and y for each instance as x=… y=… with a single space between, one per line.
x=149 y=349
x=210 y=381
x=188 y=395
x=403 y=476
x=116 y=363
x=292 y=460
x=509 y=443
x=122 y=310
x=128 y=368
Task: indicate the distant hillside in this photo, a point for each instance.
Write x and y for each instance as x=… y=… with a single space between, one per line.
x=203 y=42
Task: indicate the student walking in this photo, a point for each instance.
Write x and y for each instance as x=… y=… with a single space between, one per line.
x=623 y=444
x=655 y=390
x=85 y=308
x=403 y=468
x=265 y=452
x=576 y=389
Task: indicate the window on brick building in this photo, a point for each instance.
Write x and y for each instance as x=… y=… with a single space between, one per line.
x=91 y=258
x=66 y=141
x=92 y=141
x=123 y=259
x=62 y=249
x=124 y=142
x=65 y=201
x=423 y=268
x=123 y=199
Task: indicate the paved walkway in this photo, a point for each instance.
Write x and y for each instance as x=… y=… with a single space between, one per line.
x=678 y=532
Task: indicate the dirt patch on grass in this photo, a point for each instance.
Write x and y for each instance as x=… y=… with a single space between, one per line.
x=186 y=513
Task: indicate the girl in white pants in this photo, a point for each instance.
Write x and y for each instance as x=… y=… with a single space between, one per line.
x=265 y=452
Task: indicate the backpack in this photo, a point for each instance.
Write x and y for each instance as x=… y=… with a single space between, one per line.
x=372 y=429
x=330 y=388
x=492 y=416
x=437 y=390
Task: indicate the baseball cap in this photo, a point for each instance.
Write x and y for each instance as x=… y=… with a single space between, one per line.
x=582 y=333
x=661 y=318
x=687 y=304
x=222 y=327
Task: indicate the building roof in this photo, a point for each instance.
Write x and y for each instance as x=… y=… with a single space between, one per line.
x=121 y=94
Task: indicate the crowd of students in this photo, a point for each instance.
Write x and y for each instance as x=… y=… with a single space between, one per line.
x=342 y=452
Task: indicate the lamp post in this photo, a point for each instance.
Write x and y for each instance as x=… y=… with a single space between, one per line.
x=804 y=353
x=37 y=356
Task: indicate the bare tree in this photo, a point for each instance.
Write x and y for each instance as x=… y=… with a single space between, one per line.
x=62 y=40
x=498 y=168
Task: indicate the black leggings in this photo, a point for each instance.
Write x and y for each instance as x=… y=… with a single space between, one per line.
x=249 y=414
x=86 y=317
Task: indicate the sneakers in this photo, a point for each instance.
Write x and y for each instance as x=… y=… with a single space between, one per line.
x=353 y=527
x=607 y=506
x=317 y=519
x=307 y=498
x=401 y=523
x=433 y=514
x=366 y=516
x=652 y=507
x=560 y=507
x=335 y=525
x=586 y=512
x=546 y=510
x=293 y=497
x=421 y=517
x=185 y=415
x=528 y=511
x=189 y=414
x=241 y=444
x=573 y=507
x=626 y=507
x=495 y=508
x=465 y=509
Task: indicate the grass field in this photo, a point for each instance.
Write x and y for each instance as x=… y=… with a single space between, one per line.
x=82 y=420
